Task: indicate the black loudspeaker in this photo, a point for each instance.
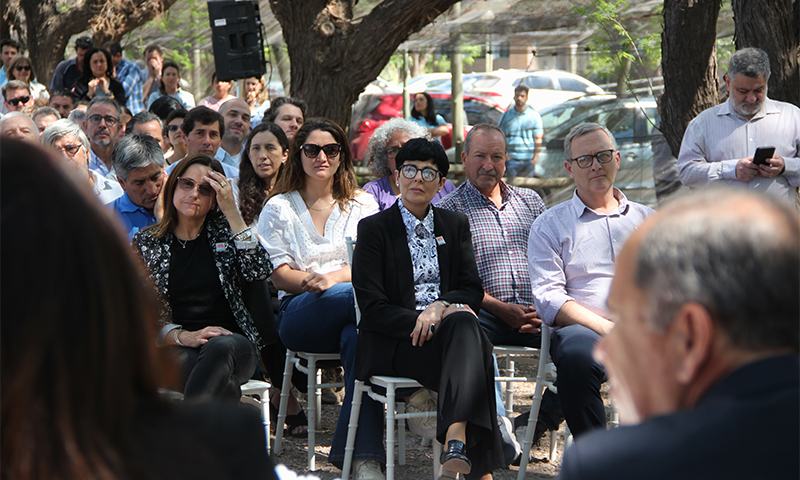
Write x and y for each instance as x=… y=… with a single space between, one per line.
x=237 y=39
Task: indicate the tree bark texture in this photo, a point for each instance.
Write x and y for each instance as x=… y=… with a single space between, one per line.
x=772 y=25
x=48 y=29
x=333 y=58
x=689 y=64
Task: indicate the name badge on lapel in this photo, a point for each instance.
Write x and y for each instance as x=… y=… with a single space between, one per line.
x=440 y=241
x=220 y=247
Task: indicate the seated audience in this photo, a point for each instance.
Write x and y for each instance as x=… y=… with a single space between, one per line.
x=20 y=126
x=69 y=139
x=129 y=75
x=139 y=164
x=418 y=289
x=149 y=123
x=8 y=50
x=256 y=99
x=17 y=97
x=380 y=155
x=197 y=255
x=221 y=94
x=236 y=115
x=202 y=131
x=63 y=101
x=68 y=71
x=423 y=112
x=21 y=68
x=163 y=106
x=314 y=206
x=97 y=78
x=43 y=117
x=705 y=349
x=170 y=85
x=289 y=113
x=80 y=374
x=102 y=126
x=173 y=131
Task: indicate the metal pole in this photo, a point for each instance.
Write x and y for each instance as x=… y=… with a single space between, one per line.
x=457 y=91
x=196 y=90
x=406 y=95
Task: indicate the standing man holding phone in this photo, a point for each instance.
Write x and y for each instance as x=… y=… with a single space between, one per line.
x=720 y=143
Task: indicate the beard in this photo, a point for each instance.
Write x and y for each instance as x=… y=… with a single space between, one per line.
x=746 y=109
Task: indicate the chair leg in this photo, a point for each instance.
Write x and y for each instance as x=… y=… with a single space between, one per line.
x=286 y=389
x=510 y=385
x=437 y=457
x=352 y=429
x=401 y=435
x=553 y=445
x=313 y=405
x=390 y=424
x=264 y=396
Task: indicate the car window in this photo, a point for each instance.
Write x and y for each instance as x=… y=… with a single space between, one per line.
x=619 y=121
x=536 y=81
x=436 y=83
x=485 y=82
x=646 y=121
x=480 y=112
x=572 y=84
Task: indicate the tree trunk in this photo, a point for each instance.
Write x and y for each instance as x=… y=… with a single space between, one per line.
x=418 y=62
x=333 y=58
x=772 y=25
x=48 y=30
x=689 y=64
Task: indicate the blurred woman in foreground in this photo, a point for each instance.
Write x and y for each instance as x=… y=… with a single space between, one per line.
x=80 y=369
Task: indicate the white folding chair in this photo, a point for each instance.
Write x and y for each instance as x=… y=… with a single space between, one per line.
x=315 y=387
x=393 y=413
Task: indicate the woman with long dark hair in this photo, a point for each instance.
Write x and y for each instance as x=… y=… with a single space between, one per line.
x=423 y=112
x=315 y=206
x=80 y=370
x=98 y=78
x=196 y=256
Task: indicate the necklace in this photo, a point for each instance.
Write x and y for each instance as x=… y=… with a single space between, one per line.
x=184 y=242
x=319 y=209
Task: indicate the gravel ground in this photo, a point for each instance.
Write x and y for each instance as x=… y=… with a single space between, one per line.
x=419 y=459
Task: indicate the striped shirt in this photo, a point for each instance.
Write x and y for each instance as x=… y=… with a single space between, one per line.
x=719 y=137
x=500 y=237
x=572 y=250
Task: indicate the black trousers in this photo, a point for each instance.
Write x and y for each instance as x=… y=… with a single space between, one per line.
x=216 y=370
x=457 y=363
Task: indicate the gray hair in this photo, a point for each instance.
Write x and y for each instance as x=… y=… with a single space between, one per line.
x=137 y=150
x=77 y=116
x=583 y=129
x=375 y=154
x=98 y=99
x=45 y=111
x=484 y=127
x=750 y=62
x=9 y=116
x=143 y=117
x=62 y=128
x=743 y=268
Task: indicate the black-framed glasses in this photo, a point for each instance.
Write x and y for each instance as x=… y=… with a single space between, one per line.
x=187 y=185
x=110 y=121
x=24 y=68
x=586 y=161
x=429 y=174
x=392 y=151
x=16 y=101
x=173 y=128
x=331 y=150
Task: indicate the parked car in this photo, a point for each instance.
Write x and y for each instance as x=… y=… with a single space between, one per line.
x=372 y=111
x=426 y=81
x=631 y=121
x=547 y=87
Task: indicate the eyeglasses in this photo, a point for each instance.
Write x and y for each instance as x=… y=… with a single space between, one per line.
x=392 y=152
x=586 y=161
x=16 y=101
x=187 y=185
x=24 y=68
x=312 y=151
x=428 y=174
x=110 y=121
x=71 y=150
x=173 y=128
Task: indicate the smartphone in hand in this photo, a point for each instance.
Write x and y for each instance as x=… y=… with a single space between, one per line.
x=763 y=154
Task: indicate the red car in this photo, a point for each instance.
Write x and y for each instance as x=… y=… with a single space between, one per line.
x=372 y=111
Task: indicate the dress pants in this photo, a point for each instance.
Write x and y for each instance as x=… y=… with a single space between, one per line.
x=217 y=369
x=579 y=378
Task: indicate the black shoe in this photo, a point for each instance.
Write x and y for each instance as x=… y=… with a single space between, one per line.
x=454 y=458
x=520 y=424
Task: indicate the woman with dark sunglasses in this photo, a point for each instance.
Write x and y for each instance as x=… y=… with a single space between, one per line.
x=312 y=210
x=21 y=68
x=418 y=289
x=198 y=255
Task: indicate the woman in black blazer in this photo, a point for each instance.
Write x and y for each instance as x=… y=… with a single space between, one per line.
x=417 y=284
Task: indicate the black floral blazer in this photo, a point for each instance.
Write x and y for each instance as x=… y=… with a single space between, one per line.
x=249 y=259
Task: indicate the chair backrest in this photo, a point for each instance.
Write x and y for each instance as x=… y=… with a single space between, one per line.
x=351 y=245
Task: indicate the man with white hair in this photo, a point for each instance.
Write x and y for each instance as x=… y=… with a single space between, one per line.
x=20 y=126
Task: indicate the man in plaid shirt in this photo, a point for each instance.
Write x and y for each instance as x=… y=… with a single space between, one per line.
x=500 y=217
x=129 y=75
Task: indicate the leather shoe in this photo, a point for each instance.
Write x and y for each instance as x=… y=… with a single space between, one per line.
x=454 y=457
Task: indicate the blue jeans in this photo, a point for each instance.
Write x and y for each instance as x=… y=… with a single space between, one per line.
x=326 y=323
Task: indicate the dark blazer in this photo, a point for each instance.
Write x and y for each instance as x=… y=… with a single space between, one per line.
x=81 y=90
x=383 y=280
x=747 y=426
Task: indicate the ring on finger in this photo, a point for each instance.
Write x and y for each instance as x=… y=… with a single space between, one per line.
x=223 y=183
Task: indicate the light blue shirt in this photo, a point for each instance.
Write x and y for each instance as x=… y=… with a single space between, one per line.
x=134 y=217
x=3 y=76
x=521 y=130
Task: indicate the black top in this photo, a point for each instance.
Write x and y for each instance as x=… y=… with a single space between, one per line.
x=81 y=90
x=195 y=292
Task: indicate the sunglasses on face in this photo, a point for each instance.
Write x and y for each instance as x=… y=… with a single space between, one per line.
x=24 y=68
x=428 y=174
x=16 y=101
x=173 y=128
x=187 y=185
x=110 y=121
x=312 y=151
x=586 y=161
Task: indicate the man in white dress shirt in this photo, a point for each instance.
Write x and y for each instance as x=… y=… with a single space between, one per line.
x=719 y=144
